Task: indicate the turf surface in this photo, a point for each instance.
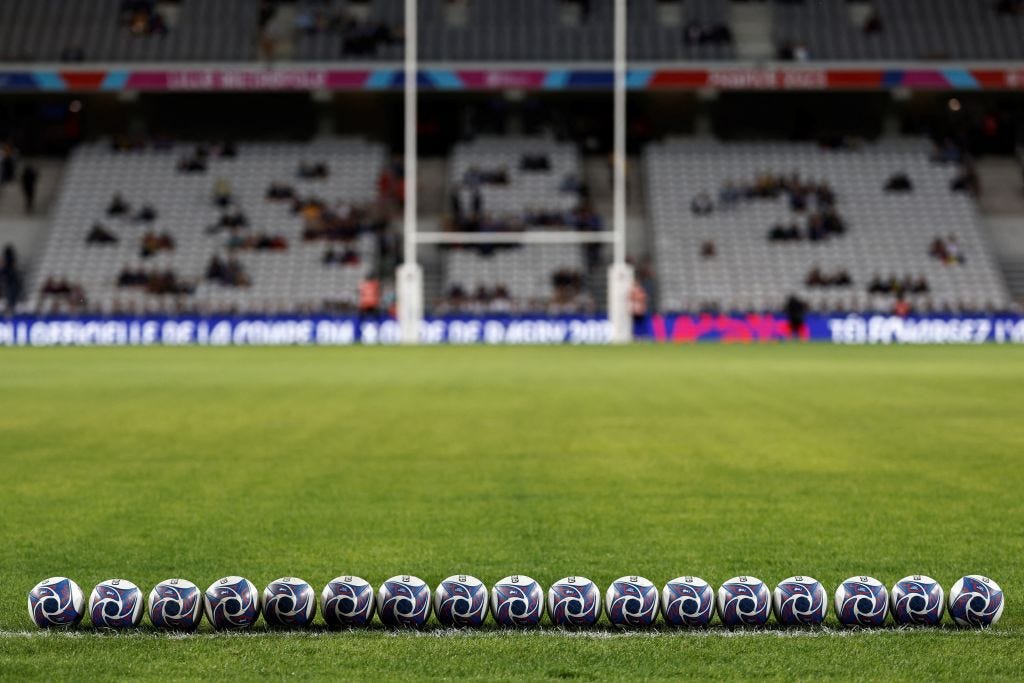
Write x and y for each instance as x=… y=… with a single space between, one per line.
x=709 y=460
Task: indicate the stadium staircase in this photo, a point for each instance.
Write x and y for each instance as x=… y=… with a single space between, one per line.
x=1013 y=271
x=27 y=233
x=751 y=24
x=1002 y=205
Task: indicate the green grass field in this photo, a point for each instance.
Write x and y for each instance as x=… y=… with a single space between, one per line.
x=708 y=460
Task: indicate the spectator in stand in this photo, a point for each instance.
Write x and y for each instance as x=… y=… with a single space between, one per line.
x=455 y=202
x=729 y=195
x=369 y=297
x=966 y=180
x=64 y=295
x=638 y=307
x=280 y=192
x=702 y=205
x=1015 y=7
x=477 y=202
x=8 y=165
x=793 y=51
x=313 y=171
x=783 y=233
x=10 y=278
x=365 y=38
x=873 y=21
x=898 y=286
x=153 y=242
x=708 y=250
x=155 y=282
x=29 y=180
x=838 y=278
x=118 y=206
x=72 y=53
x=228 y=219
x=100 y=234
x=192 y=164
x=947 y=250
x=899 y=182
x=141 y=18
x=222 y=195
x=216 y=269
x=501 y=302
x=948 y=152
x=697 y=33
x=146 y=214
x=796 y=311
x=584 y=8
x=234 y=273
x=532 y=162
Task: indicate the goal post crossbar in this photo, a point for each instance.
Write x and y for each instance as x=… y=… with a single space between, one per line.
x=521 y=237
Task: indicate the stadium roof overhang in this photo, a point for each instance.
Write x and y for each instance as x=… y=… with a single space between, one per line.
x=519 y=75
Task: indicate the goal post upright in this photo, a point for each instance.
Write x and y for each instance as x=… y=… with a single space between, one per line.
x=409 y=278
x=620 y=273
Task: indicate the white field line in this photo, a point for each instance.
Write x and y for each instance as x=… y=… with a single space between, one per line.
x=500 y=634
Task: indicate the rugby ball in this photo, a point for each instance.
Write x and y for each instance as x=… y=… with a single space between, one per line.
x=232 y=603
x=744 y=601
x=289 y=602
x=976 y=600
x=404 y=602
x=517 y=600
x=917 y=600
x=176 y=604
x=861 y=601
x=347 y=601
x=116 y=603
x=631 y=601
x=800 y=601
x=688 y=601
x=574 y=601
x=57 y=601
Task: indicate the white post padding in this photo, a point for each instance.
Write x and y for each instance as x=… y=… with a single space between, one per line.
x=620 y=315
x=409 y=276
x=409 y=293
x=620 y=273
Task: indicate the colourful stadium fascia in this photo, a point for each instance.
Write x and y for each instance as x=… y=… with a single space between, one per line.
x=486 y=77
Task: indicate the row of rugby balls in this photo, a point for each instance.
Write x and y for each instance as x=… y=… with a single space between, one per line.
x=463 y=601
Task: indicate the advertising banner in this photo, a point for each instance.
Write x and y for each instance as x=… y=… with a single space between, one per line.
x=340 y=331
x=853 y=328
x=296 y=330
x=244 y=78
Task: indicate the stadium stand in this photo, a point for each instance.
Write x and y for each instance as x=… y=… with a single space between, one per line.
x=332 y=30
x=701 y=32
x=113 y=31
x=531 y=278
x=498 y=30
x=365 y=30
x=280 y=265
x=507 y=183
x=509 y=186
x=899 y=30
x=712 y=251
x=518 y=30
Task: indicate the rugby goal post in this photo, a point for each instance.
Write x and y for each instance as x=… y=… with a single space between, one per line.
x=409 y=276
